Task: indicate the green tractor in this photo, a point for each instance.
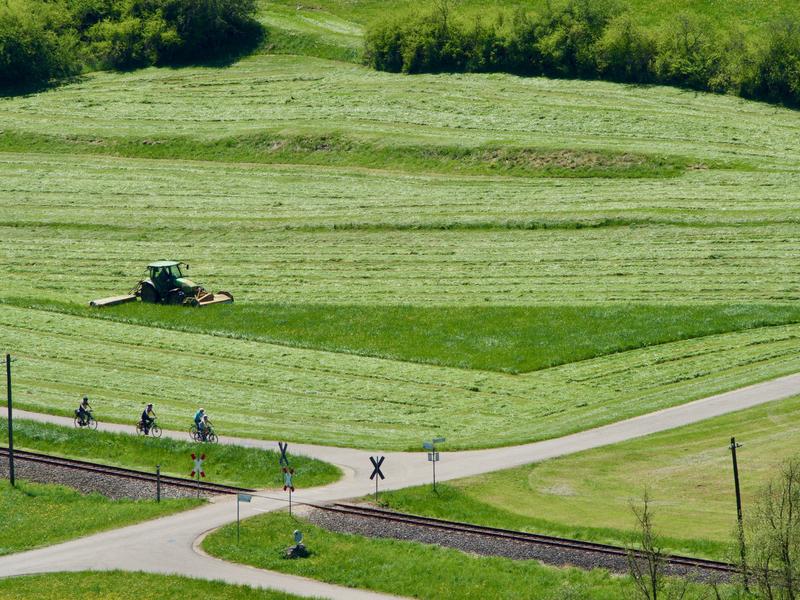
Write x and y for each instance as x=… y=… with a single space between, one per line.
x=166 y=284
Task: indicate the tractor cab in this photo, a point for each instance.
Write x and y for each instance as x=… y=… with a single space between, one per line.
x=165 y=275
x=167 y=284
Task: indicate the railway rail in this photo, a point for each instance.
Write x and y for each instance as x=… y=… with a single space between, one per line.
x=144 y=476
x=684 y=563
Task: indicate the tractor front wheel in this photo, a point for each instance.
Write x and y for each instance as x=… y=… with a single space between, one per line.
x=176 y=297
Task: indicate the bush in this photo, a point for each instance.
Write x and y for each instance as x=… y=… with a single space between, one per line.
x=522 y=48
x=567 y=37
x=383 y=46
x=41 y=41
x=131 y=42
x=688 y=54
x=207 y=28
x=626 y=52
x=33 y=48
x=777 y=72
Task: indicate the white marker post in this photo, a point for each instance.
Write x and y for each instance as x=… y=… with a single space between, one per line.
x=240 y=498
x=433 y=455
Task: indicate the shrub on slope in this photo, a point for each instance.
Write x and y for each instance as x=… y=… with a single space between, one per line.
x=42 y=41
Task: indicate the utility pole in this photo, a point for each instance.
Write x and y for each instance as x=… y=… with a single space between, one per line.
x=10 y=422
x=742 y=555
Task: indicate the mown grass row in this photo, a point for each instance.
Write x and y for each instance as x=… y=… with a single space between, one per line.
x=627 y=265
x=288 y=96
x=225 y=463
x=337 y=150
x=255 y=389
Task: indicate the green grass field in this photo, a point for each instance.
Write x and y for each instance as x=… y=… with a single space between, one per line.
x=407 y=568
x=413 y=241
x=119 y=585
x=233 y=465
x=512 y=339
x=687 y=472
x=39 y=515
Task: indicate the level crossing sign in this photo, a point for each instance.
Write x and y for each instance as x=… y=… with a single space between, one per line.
x=288 y=484
x=198 y=465
x=377 y=461
x=284 y=459
x=377 y=474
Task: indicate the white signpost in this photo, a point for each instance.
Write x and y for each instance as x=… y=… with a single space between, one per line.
x=240 y=498
x=433 y=455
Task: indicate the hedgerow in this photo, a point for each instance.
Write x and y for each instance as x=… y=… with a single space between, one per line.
x=591 y=39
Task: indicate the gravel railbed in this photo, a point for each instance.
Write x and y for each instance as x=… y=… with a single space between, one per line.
x=111 y=486
x=486 y=545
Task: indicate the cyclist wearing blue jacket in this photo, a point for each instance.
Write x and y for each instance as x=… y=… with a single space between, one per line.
x=198 y=421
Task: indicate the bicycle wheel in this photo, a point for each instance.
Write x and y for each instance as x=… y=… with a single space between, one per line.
x=77 y=422
x=139 y=429
x=155 y=431
x=93 y=423
x=194 y=434
x=211 y=438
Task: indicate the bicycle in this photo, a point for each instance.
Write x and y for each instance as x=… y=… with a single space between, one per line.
x=87 y=421
x=155 y=430
x=210 y=435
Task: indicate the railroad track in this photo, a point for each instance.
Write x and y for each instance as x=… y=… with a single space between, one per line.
x=82 y=465
x=682 y=562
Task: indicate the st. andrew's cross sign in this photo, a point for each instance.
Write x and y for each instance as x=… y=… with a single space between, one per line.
x=377 y=474
x=283 y=460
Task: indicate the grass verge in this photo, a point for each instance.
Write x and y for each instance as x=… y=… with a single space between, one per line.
x=233 y=465
x=38 y=515
x=125 y=585
x=406 y=568
x=509 y=339
x=687 y=472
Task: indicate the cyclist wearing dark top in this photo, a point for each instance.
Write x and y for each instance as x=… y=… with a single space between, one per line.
x=84 y=411
x=148 y=416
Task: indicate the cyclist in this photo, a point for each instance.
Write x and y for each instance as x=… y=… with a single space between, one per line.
x=198 y=422
x=206 y=427
x=84 y=411
x=148 y=417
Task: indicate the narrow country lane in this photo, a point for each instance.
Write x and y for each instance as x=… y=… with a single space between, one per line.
x=169 y=544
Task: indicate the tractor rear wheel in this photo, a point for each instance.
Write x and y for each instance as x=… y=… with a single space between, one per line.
x=148 y=293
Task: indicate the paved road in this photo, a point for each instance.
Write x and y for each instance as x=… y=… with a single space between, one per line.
x=168 y=545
